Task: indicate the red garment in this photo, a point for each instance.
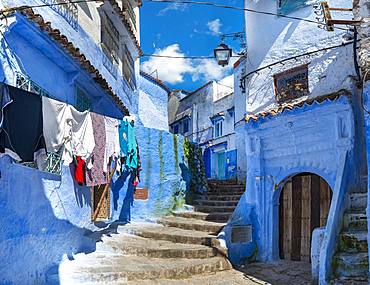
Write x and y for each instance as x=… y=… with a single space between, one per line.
x=80 y=171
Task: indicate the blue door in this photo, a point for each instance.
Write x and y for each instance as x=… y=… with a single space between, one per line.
x=221 y=165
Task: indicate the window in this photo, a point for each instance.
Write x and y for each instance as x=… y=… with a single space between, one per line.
x=129 y=10
x=128 y=68
x=218 y=128
x=176 y=129
x=186 y=126
x=110 y=39
x=83 y=102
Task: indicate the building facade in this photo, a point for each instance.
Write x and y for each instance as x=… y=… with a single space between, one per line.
x=299 y=115
x=86 y=55
x=206 y=117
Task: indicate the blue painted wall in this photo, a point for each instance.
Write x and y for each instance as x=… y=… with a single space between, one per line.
x=47 y=216
x=318 y=138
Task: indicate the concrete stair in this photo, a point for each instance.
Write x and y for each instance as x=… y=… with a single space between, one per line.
x=178 y=249
x=192 y=224
x=351 y=262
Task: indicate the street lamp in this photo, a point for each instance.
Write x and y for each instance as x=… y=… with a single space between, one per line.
x=222 y=54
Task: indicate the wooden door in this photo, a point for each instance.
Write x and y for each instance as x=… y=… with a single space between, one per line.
x=304 y=205
x=104 y=211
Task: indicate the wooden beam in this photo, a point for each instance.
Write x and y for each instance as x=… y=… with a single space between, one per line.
x=327 y=16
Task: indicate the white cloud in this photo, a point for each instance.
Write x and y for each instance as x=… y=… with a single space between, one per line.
x=173 y=70
x=169 y=70
x=215 y=27
x=173 y=7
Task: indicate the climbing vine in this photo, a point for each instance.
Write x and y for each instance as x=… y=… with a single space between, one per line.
x=194 y=159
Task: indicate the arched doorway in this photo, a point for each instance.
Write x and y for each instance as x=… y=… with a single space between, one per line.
x=304 y=205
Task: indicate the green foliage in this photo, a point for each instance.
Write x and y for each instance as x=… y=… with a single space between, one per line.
x=194 y=159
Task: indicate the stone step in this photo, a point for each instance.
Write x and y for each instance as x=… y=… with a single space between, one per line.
x=353 y=241
x=212 y=217
x=214 y=209
x=352 y=264
x=130 y=268
x=351 y=281
x=160 y=232
x=134 y=245
x=222 y=197
x=354 y=220
x=192 y=224
x=215 y=203
x=358 y=201
x=227 y=277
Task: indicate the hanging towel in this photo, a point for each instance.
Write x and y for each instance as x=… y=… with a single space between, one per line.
x=112 y=146
x=21 y=134
x=68 y=131
x=5 y=100
x=96 y=175
x=128 y=143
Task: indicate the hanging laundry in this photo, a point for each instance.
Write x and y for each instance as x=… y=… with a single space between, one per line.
x=21 y=134
x=112 y=146
x=5 y=100
x=128 y=142
x=96 y=175
x=68 y=131
x=80 y=168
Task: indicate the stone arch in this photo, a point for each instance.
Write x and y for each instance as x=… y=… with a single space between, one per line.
x=313 y=184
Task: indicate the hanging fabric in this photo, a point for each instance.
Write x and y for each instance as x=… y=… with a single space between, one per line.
x=5 y=100
x=68 y=131
x=80 y=169
x=21 y=135
x=128 y=142
x=96 y=175
x=112 y=146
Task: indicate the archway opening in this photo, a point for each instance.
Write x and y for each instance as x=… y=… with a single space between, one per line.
x=304 y=205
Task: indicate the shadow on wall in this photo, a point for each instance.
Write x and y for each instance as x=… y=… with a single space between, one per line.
x=32 y=239
x=123 y=197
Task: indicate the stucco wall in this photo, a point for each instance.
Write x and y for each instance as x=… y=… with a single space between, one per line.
x=46 y=216
x=153 y=101
x=271 y=39
x=86 y=37
x=316 y=138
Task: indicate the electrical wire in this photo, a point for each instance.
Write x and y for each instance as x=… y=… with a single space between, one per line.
x=296 y=57
x=239 y=9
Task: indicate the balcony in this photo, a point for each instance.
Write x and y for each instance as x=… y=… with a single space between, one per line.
x=67 y=10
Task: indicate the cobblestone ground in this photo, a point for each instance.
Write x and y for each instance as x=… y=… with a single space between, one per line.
x=278 y=273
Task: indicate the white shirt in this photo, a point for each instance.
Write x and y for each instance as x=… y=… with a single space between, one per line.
x=112 y=147
x=67 y=131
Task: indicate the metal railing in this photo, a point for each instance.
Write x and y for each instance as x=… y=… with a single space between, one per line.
x=68 y=10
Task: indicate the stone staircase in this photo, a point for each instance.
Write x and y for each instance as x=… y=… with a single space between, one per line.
x=351 y=265
x=178 y=249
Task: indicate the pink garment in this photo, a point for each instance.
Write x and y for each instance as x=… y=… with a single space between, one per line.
x=96 y=175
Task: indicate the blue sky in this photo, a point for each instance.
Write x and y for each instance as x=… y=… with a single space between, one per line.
x=192 y=30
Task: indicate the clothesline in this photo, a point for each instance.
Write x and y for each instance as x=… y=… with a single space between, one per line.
x=33 y=125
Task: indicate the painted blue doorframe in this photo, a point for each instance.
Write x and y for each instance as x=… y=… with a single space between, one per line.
x=207 y=162
x=316 y=138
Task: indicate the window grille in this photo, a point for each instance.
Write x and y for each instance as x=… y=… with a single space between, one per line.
x=128 y=68
x=83 y=102
x=129 y=10
x=110 y=39
x=288 y=6
x=24 y=82
x=68 y=10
